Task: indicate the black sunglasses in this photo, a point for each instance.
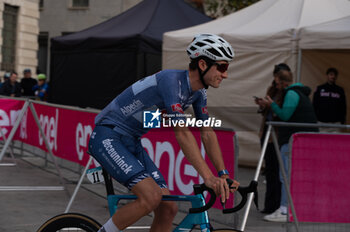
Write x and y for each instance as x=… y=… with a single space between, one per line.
x=221 y=67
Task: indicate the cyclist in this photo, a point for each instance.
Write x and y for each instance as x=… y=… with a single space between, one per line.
x=115 y=142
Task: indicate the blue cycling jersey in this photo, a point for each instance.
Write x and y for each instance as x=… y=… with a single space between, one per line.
x=167 y=90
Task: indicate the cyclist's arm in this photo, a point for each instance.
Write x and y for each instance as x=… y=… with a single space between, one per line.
x=213 y=150
x=212 y=147
x=191 y=151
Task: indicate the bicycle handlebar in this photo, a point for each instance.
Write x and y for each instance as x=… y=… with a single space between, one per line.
x=199 y=189
x=243 y=191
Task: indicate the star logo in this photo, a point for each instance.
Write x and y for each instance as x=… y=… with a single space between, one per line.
x=155 y=115
x=151 y=119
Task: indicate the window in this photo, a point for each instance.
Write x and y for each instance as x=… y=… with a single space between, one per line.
x=41 y=4
x=80 y=3
x=43 y=41
x=9 y=37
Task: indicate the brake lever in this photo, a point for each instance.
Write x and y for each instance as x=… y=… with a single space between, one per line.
x=243 y=191
x=229 y=183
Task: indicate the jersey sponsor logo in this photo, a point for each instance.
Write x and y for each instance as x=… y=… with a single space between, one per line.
x=205 y=110
x=132 y=108
x=204 y=94
x=151 y=119
x=329 y=94
x=155 y=175
x=177 y=108
x=119 y=160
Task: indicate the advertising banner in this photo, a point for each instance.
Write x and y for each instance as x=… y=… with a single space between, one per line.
x=320 y=177
x=68 y=132
x=9 y=111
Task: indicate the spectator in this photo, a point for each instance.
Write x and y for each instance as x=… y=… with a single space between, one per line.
x=41 y=89
x=27 y=83
x=296 y=107
x=6 y=78
x=329 y=102
x=273 y=184
x=11 y=87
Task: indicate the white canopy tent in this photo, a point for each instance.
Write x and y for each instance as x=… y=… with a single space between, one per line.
x=309 y=35
x=323 y=45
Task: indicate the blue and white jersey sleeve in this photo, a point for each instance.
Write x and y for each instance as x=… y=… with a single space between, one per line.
x=174 y=93
x=200 y=105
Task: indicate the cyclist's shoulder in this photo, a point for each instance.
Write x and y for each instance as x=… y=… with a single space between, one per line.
x=171 y=74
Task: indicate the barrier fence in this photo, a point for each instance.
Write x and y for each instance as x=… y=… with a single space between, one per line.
x=320 y=178
x=319 y=171
x=64 y=132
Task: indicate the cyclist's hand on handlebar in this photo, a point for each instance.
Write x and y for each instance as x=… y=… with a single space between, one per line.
x=233 y=184
x=220 y=187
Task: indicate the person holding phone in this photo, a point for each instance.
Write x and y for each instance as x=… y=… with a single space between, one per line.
x=271 y=171
x=296 y=107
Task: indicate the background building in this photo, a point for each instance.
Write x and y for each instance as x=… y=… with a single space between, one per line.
x=62 y=17
x=19 y=29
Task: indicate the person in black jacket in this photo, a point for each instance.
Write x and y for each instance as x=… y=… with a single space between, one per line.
x=27 y=83
x=329 y=102
x=296 y=107
x=271 y=172
x=11 y=87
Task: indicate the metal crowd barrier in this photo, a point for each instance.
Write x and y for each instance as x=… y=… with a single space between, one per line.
x=271 y=132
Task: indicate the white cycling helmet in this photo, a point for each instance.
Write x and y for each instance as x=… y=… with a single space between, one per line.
x=212 y=46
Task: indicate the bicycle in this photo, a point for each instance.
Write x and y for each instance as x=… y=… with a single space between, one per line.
x=197 y=215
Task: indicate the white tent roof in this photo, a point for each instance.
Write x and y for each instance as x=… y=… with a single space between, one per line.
x=265 y=34
x=334 y=34
x=278 y=25
x=268 y=24
x=177 y=40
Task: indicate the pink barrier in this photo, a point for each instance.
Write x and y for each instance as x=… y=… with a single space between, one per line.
x=320 y=177
x=9 y=111
x=164 y=150
x=68 y=132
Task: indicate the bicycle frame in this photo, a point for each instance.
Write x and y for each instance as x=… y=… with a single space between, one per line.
x=197 y=215
x=190 y=220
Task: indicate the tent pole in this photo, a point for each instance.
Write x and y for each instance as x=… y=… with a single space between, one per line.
x=299 y=65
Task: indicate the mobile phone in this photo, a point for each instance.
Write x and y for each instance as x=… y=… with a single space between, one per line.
x=256 y=98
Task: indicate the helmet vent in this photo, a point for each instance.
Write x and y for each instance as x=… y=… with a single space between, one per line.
x=213 y=51
x=192 y=48
x=229 y=51
x=209 y=41
x=200 y=44
x=225 y=53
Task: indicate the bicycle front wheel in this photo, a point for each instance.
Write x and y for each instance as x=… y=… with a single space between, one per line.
x=70 y=222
